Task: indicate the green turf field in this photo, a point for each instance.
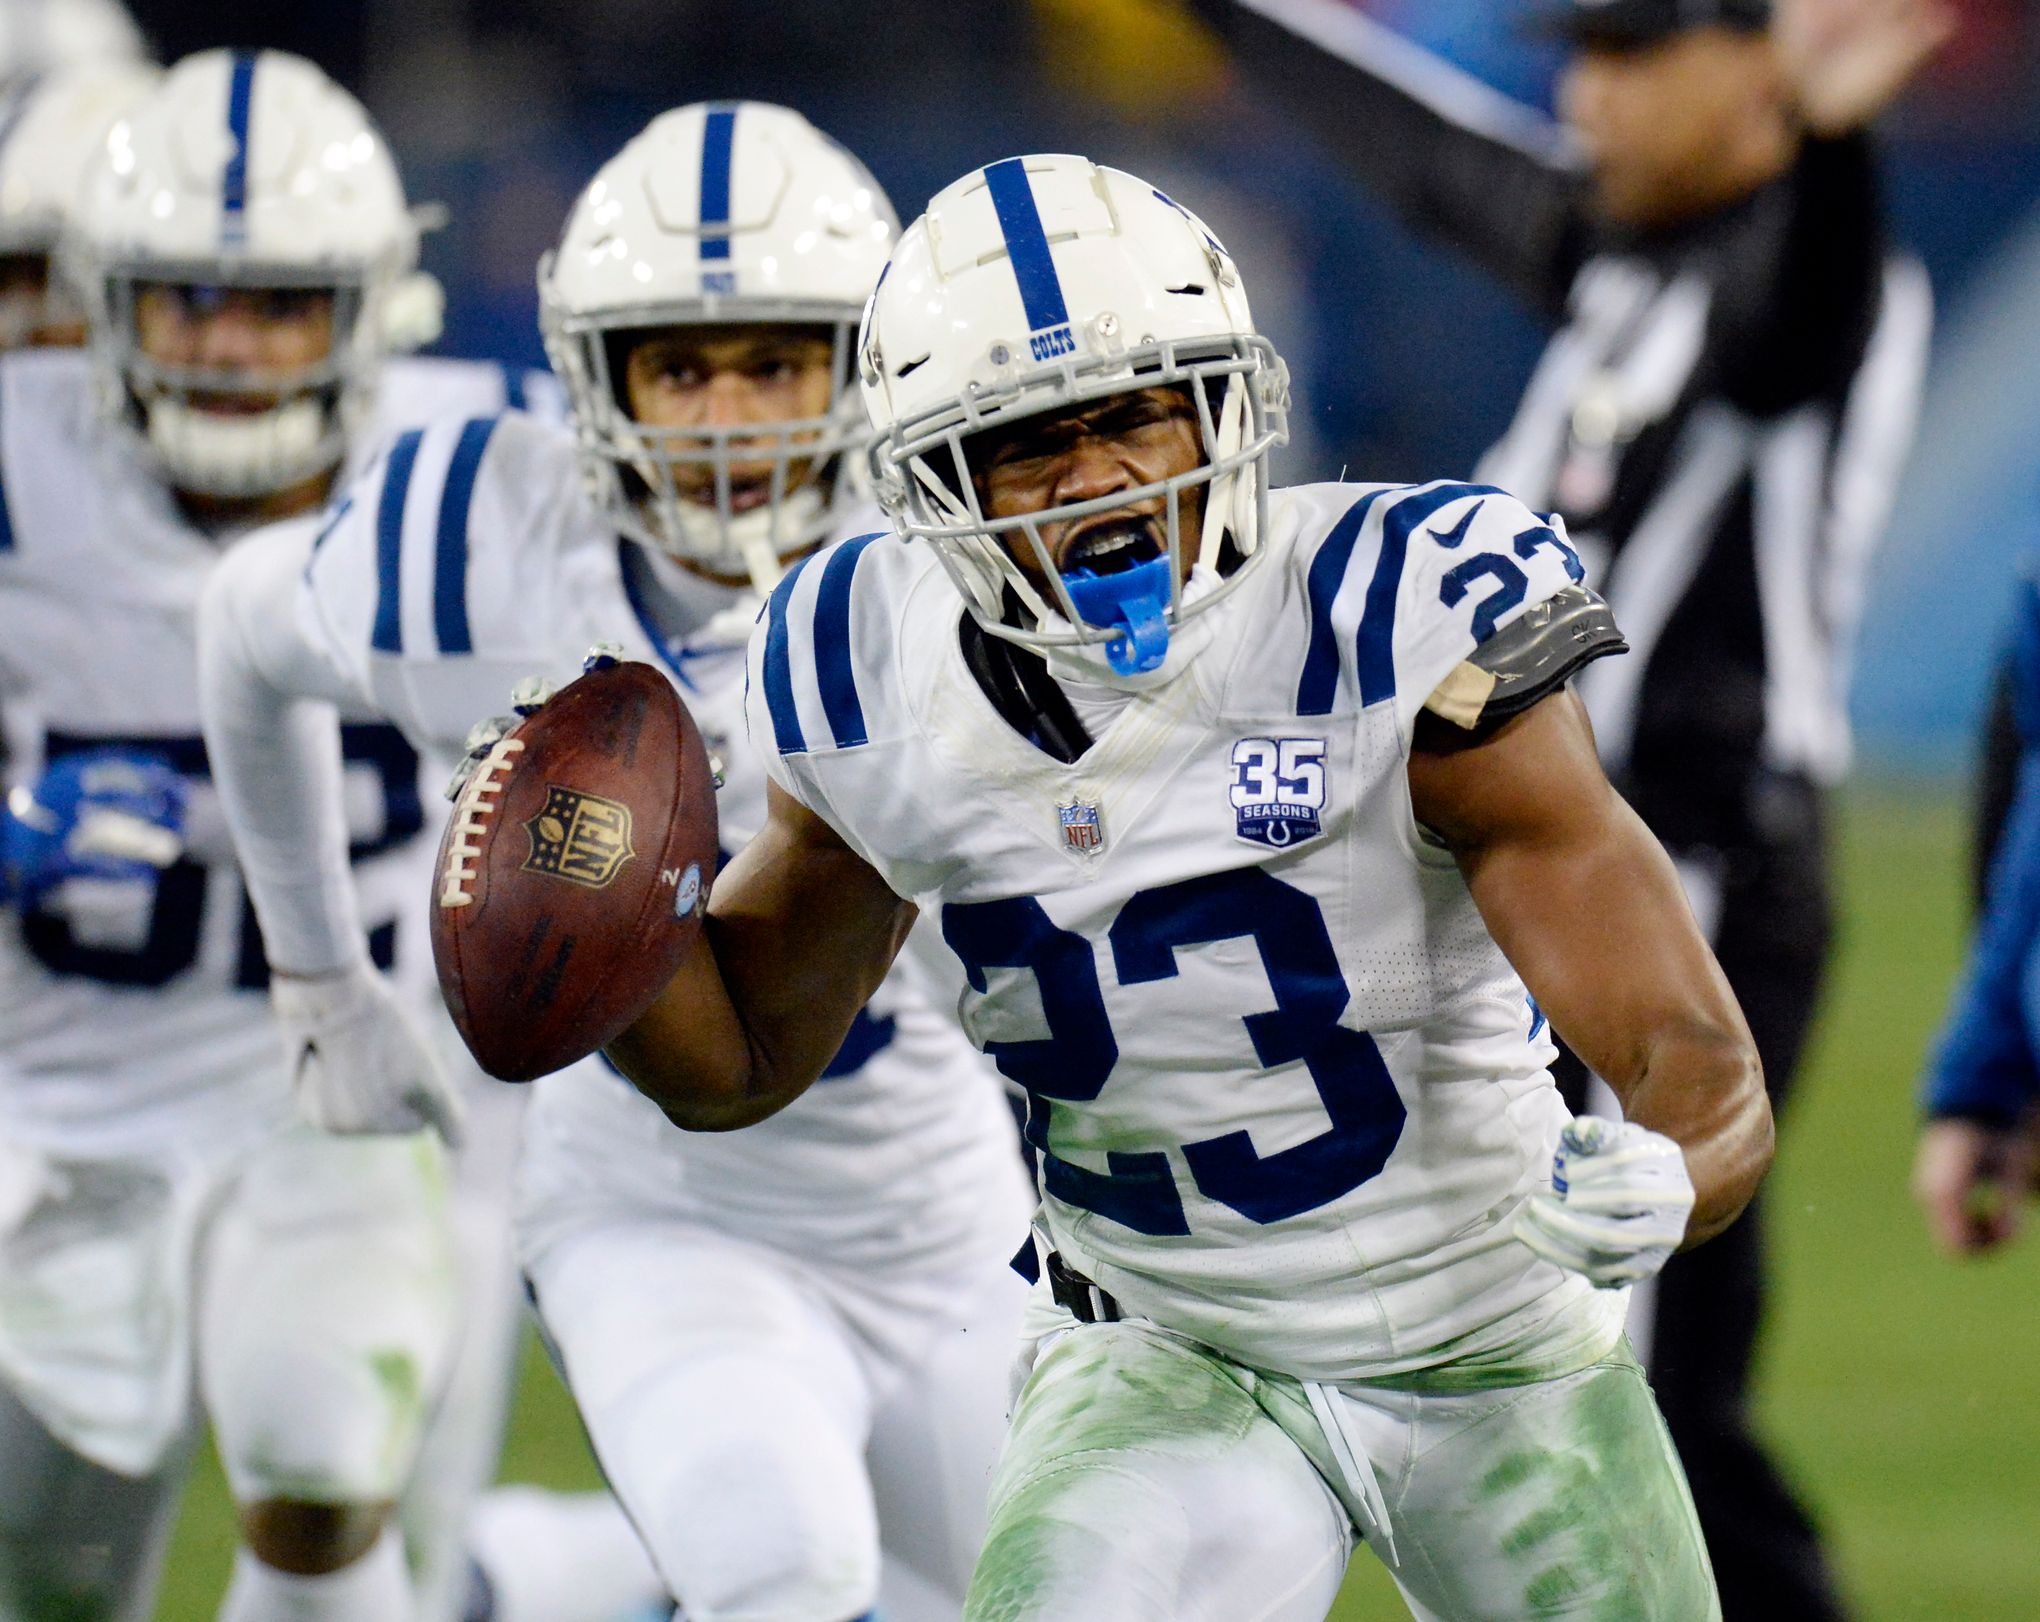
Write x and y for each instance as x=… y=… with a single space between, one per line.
x=1903 y=1390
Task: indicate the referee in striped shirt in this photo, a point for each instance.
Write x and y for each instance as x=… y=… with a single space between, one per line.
x=1720 y=419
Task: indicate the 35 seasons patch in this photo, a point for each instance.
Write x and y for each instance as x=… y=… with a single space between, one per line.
x=579 y=837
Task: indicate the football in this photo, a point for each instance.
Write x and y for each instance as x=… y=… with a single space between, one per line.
x=574 y=872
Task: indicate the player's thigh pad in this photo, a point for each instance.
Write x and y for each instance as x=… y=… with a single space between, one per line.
x=329 y=1315
x=1560 y=1499
x=937 y=1439
x=1143 y=1483
x=95 y=1299
x=729 y=1412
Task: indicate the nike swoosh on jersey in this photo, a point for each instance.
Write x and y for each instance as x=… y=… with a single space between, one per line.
x=1451 y=538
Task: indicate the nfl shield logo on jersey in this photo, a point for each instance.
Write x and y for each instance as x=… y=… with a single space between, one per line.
x=1278 y=790
x=1080 y=829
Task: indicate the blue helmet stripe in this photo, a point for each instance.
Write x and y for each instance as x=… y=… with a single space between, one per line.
x=778 y=667
x=718 y=139
x=1376 y=645
x=388 y=635
x=234 y=181
x=834 y=668
x=1319 y=687
x=1027 y=245
x=450 y=559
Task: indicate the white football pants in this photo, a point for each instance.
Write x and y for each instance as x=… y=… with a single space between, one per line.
x=304 y=1283
x=1148 y=1479
x=768 y=1423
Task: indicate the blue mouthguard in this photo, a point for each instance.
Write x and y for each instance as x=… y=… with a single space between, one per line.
x=1131 y=602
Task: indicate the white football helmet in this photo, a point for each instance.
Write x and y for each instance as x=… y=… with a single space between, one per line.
x=718 y=213
x=1031 y=286
x=247 y=170
x=48 y=138
x=44 y=36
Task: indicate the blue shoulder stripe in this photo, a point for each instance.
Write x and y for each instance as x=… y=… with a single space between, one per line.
x=834 y=667
x=450 y=560
x=1319 y=688
x=388 y=636
x=1376 y=644
x=778 y=670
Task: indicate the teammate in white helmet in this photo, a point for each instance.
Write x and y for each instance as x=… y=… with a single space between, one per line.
x=247 y=260
x=1251 y=813
x=790 y=1346
x=48 y=36
x=50 y=132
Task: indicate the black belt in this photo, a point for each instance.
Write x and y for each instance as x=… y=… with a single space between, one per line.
x=1077 y=1295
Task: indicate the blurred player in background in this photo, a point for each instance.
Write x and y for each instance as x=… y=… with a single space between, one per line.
x=1979 y=1155
x=246 y=260
x=1721 y=421
x=1218 y=792
x=50 y=132
x=38 y=37
x=791 y=1346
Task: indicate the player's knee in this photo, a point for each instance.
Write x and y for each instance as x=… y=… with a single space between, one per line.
x=755 y=1530
x=310 y=1540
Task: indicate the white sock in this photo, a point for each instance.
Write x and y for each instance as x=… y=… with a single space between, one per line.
x=374 y=1588
x=560 y=1557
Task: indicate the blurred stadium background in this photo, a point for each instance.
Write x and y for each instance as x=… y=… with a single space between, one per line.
x=1901 y=1387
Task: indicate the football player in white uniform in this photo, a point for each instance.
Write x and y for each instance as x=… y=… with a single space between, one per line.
x=790 y=1346
x=247 y=261
x=48 y=36
x=1250 y=814
x=50 y=132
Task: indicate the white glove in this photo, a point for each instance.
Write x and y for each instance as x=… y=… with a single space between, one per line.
x=1620 y=1196
x=358 y=1061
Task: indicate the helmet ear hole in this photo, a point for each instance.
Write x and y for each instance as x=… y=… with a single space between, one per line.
x=414 y=313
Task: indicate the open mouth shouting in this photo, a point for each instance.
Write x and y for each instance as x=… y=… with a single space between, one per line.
x=1111 y=543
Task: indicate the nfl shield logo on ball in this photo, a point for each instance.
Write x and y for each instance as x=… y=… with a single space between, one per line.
x=581 y=838
x=1080 y=829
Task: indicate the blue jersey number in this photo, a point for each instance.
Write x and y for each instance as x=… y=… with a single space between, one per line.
x=1076 y=1060
x=177 y=916
x=1512 y=585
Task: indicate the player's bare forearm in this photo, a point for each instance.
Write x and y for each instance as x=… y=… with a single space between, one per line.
x=1585 y=903
x=800 y=932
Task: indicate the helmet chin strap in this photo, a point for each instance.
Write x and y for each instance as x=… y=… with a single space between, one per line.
x=755 y=537
x=213 y=454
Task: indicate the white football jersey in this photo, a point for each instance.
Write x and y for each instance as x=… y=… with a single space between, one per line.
x=1286 y=1090
x=432 y=622
x=137 y=1016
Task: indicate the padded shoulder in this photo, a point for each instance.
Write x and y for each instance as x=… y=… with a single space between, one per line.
x=1399 y=584
x=442 y=545
x=822 y=659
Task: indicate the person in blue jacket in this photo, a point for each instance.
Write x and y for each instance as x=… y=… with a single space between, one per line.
x=1977 y=1164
